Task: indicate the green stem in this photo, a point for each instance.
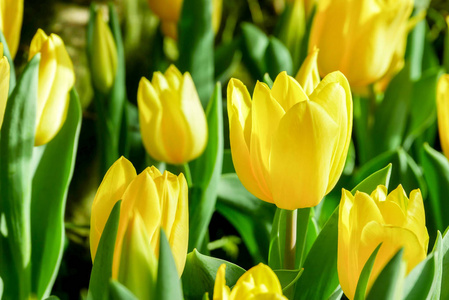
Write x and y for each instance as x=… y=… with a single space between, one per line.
x=301 y=234
x=186 y=170
x=290 y=239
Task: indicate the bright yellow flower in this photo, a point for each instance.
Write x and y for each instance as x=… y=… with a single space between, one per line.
x=4 y=83
x=56 y=79
x=259 y=282
x=359 y=37
x=289 y=148
x=365 y=221
x=104 y=55
x=308 y=76
x=443 y=112
x=172 y=120
x=11 y=15
x=169 y=12
x=150 y=200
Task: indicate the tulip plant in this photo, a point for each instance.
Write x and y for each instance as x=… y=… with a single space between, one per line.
x=281 y=149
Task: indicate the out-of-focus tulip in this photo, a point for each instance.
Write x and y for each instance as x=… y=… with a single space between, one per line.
x=367 y=220
x=56 y=79
x=172 y=120
x=289 y=148
x=259 y=282
x=104 y=55
x=443 y=112
x=169 y=12
x=359 y=38
x=4 y=83
x=11 y=15
x=308 y=76
x=150 y=200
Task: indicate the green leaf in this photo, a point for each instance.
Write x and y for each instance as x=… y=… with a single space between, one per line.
x=239 y=207
x=55 y=165
x=16 y=150
x=196 y=45
x=52 y=298
x=370 y=183
x=102 y=268
x=424 y=281
x=227 y=58
x=12 y=70
x=254 y=45
x=288 y=278
x=119 y=292
x=362 y=284
x=267 y=79
x=388 y=284
x=436 y=172
x=200 y=272
x=206 y=173
x=320 y=279
x=445 y=266
x=277 y=236
x=277 y=58
x=168 y=286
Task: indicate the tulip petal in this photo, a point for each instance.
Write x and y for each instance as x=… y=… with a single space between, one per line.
x=256 y=281
x=308 y=76
x=173 y=77
x=443 y=112
x=334 y=95
x=394 y=207
x=416 y=219
x=221 y=290
x=11 y=23
x=287 y=91
x=166 y=10
x=4 y=86
x=111 y=189
x=301 y=156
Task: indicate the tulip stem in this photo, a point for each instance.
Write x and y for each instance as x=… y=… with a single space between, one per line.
x=290 y=239
x=186 y=170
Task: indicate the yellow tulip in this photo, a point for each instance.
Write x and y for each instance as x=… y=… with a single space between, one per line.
x=4 y=83
x=289 y=148
x=150 y=200
x=365 y=221
x=104 y=55
x=56 y=79
x=359 y=38
x=443 y=112
x=259 y=282
x=172 y=120
x=169 y=12
x=11 y=23
x=308 y=76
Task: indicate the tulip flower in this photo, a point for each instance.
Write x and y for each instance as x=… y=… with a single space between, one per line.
x=56 y=79
x=359 y=38
x=289 y=148
x=172 y=120
x=443 y=112
x=169 y=12
x=259 y=282
x=11 y=15
x=4 y=83
x=150 y=200
x=365 y=221
x=104 y=55
x=308 y=76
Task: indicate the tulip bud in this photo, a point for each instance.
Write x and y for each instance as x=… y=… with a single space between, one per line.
x=352 y=35
x=11 y=15
x=289 y=148
x=172 y=120
x=4 y=83
x=150 y=200
x=259 y=282
x=443 y=112
x=308 y=76
x=104 y=55
x=56 y=79
x=365 y=221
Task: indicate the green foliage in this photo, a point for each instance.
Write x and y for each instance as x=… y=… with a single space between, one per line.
x=362 y=284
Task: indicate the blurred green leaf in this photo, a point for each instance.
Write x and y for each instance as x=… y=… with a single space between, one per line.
x=228 y=165
x=277 y=235
x=12 y=70
x=445 y=266
x=168 y=286
x=206 y=173
x=388 y=284
x=102 y=267
x=362 y=284
x=436 y=172
x=226 y=60
x=370 y=183
x=277 y=58
x=16 y=150
x=196 y=45
x=55 y=166
x=200 y=272
x=267 y=79
x=119 y=292
x=254 y=45
x=288 y=278
x=239 y=207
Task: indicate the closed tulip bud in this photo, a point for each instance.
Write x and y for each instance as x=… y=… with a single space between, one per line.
x=4 y=83
x=359 y=38
x=308 y=76
x=289 y=148
x=172 y=120
x=443 y=112
x=259 y=282
x=56 y=79
x=104 y=55
x=365 y=221
x=11 y=15
x=150 y=200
